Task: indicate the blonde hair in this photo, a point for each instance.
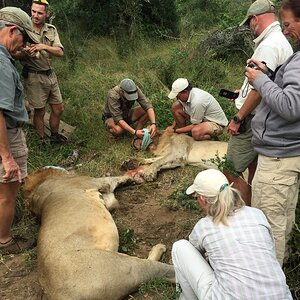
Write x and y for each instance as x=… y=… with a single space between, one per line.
x=225 y=204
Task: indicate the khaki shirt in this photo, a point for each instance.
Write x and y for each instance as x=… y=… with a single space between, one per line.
x=118 y=107
x=48 y=36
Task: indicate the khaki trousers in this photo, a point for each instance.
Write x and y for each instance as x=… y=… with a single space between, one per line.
x=275 y=191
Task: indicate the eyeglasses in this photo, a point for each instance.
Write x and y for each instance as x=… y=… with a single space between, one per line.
x=45 y=2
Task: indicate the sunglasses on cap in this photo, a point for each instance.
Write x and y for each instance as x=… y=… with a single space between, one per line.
x=45 y=2
x=132 y=92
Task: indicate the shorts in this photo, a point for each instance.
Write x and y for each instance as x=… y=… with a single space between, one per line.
x=17 y=143
x=240 y=150
x=109 y=121
x=216 y=129
x=42 y=89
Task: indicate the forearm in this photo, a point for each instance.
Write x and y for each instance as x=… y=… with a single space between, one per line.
x=126 y=127
x=251 y=102
x=185 y=129
x=55 y=51
x=151 y=115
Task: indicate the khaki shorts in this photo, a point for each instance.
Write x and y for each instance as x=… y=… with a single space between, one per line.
x=216 y=129
x=42 y=89
x=17 y=143
x=240 y=150
x=275 y=189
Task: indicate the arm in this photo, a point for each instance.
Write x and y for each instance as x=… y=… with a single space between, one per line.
x=53 y=50
x=11 y=168
x=151 y=116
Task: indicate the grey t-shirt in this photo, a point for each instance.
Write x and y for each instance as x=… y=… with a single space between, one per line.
x=11 y=92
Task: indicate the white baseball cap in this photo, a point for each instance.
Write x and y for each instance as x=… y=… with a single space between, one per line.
x=178 y=86
x=208 y=183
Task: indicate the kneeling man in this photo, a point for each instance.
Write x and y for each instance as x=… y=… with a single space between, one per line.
x=200 y=109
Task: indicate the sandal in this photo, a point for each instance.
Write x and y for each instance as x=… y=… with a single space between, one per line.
x=16 y=244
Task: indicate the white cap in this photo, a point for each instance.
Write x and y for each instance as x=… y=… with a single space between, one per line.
x=208 y=183
x=130 y=89
x=178 y=86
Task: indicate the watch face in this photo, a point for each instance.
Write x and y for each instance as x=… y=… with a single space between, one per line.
x=236 y=119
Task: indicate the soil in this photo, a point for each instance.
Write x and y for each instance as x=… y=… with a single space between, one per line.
x=148 y=214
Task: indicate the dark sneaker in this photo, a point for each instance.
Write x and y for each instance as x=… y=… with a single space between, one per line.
x=58 y=139
x=17 y=244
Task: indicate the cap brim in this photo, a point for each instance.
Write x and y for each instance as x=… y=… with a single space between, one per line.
x=131 y=97
x=244 y=21
x=34 y=37
x=172 y=95
x=190 y=190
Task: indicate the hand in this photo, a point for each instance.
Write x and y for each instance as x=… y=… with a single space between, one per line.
x=152 y=130
x=139 y=133
x=12 y=169
x=170 y=129
x=233 y=128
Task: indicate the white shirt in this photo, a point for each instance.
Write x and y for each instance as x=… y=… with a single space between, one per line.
x=202 y=106
x=242 y=256
x=272 y=47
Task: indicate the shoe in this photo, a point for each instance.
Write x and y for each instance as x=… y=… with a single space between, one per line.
x=16 y=245
x=58 y=139
x=215 y=138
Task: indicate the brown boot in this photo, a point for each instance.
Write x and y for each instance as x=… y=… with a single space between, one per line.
x=16 y=244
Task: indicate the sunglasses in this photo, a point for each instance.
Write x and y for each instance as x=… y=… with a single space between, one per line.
x=45 y=2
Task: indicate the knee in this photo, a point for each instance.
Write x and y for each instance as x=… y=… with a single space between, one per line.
x=179 y=247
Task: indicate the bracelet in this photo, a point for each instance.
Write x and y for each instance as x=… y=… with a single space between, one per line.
x=174 y=130
x=153 y=123
x=134 y=133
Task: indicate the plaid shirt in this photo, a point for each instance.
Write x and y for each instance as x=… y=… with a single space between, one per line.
x=242 y=256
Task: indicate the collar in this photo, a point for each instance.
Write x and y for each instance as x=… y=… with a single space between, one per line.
x=275 y=26
x=6 y=53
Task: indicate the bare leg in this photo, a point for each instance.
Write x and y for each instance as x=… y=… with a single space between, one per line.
x=140 y=116
x=8 y=194
x=180 y=116
x=56 y=112
x=202 y=131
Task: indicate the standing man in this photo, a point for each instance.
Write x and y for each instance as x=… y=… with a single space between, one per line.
x=276 y=137
x=119 y=113
x=40 y=80
x=15 y=30
x=197 y=107
x=272 y=47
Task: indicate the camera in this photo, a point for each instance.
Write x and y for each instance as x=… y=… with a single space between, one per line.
x=253 y=66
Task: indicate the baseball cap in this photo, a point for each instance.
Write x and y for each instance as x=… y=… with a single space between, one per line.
x=16 y=16
x=259 y=7
x=130 y=89
x=178 y=86
x=208 y=183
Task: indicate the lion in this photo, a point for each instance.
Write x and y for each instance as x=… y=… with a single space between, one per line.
x=173 y=150
x=78 y=241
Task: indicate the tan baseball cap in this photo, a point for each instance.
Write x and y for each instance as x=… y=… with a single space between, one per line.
x=208 y=183
x=16 y=16
x=259 y=7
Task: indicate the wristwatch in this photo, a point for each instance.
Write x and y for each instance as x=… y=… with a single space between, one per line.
x=236 y=120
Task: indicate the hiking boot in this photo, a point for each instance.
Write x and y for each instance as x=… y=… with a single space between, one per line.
x=58 y=139
x=16 y=244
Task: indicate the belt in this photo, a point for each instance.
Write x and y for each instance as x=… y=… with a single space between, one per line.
x=46 y=72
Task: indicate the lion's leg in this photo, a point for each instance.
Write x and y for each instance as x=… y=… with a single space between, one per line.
x=156 y=252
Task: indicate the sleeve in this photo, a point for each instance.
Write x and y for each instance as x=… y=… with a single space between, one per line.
x=142 y=100
x=198 y=112
x=114 y=106
x=53 y=36
x=283 y=100
x=7 y=90
x=196 y=236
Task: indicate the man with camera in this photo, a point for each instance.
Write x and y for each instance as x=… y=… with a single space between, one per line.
x=273 y=48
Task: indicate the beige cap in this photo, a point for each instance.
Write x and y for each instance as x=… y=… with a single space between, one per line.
x=178 y=86
x=259 y=7
x=208 y=183
x=16 y=16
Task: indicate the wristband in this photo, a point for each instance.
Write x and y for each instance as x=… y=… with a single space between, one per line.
x=153 y=123
x=174 y=130
x=134 y=133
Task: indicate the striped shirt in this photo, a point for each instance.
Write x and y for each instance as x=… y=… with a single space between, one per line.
x=242 y=256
